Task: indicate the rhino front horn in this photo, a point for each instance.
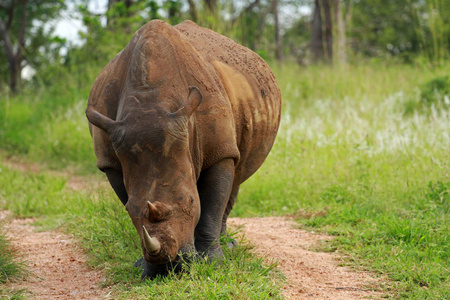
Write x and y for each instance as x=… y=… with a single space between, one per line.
x=151 y=244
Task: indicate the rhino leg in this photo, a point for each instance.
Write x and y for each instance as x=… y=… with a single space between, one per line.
x=115 y=178
x=232 y=243
x=214 y=188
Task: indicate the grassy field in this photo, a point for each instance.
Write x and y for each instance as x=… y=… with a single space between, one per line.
x=362 y=154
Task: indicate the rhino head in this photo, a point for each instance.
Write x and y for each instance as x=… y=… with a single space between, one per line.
x=153 y=147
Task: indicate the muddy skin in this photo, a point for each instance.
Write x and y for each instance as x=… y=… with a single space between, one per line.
x=179 y=119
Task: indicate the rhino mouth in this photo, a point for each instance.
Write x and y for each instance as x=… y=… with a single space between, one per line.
x=186 y=253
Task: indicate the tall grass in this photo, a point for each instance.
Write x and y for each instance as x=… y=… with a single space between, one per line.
x=49 y=130
x=11 y=268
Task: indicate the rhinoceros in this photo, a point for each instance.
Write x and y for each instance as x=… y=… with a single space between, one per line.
x=179 y=119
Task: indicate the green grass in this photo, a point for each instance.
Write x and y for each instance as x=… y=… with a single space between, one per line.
x=358 y=156
x=105 y=230
x=11 y=268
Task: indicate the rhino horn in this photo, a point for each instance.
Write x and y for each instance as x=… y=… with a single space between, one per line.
x=100 y=120
x=152 y=209
x=151 y=244
x=158 y=211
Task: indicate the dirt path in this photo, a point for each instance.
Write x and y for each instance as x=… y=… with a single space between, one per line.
x=309 y=274
x=60 y=272
x=57 y=268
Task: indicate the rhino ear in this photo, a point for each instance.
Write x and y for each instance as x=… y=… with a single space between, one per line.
x=100 y=120
x=191 y=104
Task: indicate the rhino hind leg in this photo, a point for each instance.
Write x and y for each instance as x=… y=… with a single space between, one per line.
x=232 y=243
x=214 y=188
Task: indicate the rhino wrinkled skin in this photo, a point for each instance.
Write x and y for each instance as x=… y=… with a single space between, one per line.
x=179 y=119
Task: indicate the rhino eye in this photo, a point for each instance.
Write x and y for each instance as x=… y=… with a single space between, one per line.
x=192 y=200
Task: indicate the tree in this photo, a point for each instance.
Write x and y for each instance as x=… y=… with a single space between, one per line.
x=23 y=36
x=211 y=5
x=341 y=22
x=193 y=10
x=328 y=30
x=14 y=55
x=321 y=32
x=118 y=8
x=278 y=44
x=395 y=28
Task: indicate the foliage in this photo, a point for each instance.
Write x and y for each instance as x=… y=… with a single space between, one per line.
x=434 y=97
x=404 y=28
x=375 y=28
x=41 y=46
x=411 y=30
x=435 y=89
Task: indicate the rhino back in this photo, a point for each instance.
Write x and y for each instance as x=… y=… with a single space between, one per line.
x=251 y=89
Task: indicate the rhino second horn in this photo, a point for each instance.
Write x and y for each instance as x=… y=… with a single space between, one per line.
x=152 y=208
x=151 y=244
x=158 y=211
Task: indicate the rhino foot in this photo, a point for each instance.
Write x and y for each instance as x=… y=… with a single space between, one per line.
x=139 y=263
x=152 y=271
x=213 y=254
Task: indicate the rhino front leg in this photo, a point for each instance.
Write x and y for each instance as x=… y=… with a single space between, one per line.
x=214 y=188
x=115 y=178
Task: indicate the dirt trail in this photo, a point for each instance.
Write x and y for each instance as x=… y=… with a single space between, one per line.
x=309 y=274
x=57 y=268
x=60 y=272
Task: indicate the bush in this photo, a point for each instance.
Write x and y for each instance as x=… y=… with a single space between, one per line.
x=434 y=95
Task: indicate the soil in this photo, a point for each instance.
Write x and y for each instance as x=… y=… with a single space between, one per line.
x=58 y=268
x=309 y=274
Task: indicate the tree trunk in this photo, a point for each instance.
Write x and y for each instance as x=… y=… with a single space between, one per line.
x=278 y=45
x=193 y=10
x=322 y=32
x=15 y=58
x=211 y=5
x=341 y=39
x=261 y=25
